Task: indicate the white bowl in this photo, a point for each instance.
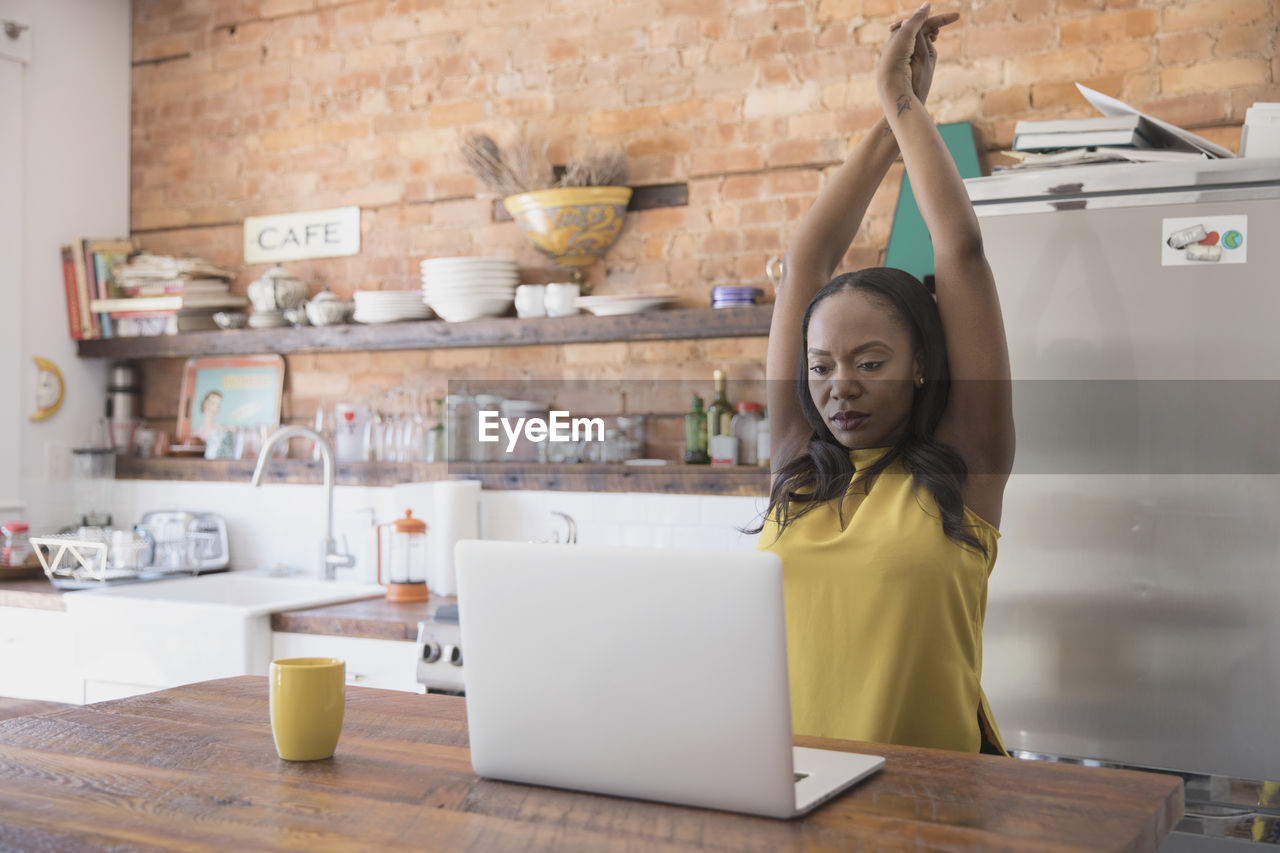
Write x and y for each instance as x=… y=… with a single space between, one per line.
x=460 y=310
x=471 y=282
x=496 y=299
x=466 y=280
x=384 y=295
x=468 y=261
x=487 y=290
x=462 y=269
x=464 y=289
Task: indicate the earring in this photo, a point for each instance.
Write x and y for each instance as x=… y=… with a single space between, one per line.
x=919 y=381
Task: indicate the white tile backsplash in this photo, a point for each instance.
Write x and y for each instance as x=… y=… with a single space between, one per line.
x=719 y=511
x=283 y=524
x=276 y=524
x=647 y=536
x=669 y=509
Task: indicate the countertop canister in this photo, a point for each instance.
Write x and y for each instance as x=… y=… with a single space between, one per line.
x=456 y=515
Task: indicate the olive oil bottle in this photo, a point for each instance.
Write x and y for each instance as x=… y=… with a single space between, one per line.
x=695 y=434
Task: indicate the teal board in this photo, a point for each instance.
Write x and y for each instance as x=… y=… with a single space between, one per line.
x=910 y=248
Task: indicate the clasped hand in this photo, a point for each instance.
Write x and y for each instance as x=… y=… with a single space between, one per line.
x=907 y=63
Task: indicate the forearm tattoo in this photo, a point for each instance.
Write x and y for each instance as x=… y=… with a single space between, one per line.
x=904 y=103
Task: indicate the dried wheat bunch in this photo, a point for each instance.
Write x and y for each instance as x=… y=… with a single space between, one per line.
x=528 y=161
x=596 y=167
x=522 y=168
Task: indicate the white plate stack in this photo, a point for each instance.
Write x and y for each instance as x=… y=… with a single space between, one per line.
x=390 y=306
x=461 y=289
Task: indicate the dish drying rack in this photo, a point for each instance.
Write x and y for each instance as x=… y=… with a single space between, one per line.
x=163 y=545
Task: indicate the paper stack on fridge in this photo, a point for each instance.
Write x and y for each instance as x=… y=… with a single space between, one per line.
x=1162 y=142
x=1169 y=136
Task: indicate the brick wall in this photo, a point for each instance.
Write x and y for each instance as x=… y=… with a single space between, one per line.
x=252 y=107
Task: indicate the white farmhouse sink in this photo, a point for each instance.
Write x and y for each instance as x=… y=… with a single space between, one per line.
x=148 y=636
x=253 y=594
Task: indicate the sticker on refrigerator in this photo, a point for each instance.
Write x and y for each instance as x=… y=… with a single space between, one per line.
x=1201 y=240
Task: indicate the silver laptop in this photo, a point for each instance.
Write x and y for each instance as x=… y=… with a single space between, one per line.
x=655 y=673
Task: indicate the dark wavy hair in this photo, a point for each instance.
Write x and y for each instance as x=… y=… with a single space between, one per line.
x=825 y=472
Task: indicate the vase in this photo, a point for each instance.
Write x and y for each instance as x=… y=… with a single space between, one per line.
x=574 y=226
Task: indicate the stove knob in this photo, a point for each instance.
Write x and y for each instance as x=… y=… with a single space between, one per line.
x=431 y=652
x=453 y=654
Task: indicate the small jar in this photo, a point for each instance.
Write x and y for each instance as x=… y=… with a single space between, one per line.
x=17 y=545
x=745 y=429
x=632 y=427
x=615 y=445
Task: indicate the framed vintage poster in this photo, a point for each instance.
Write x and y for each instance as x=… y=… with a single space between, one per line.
x=229 y=392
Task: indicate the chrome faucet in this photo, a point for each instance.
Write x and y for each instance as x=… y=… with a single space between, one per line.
x=571 y=537
x=331 y=559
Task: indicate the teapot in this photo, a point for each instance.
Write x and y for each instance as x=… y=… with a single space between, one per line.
x=277 y=290
x=326 y=309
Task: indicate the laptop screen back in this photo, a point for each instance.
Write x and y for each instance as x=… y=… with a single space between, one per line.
x=643 y=672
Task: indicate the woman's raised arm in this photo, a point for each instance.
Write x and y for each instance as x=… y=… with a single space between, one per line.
x=815 y=251
x=979 y=419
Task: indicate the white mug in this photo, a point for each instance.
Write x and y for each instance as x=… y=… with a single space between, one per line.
x=531 y=300
x=560 y=298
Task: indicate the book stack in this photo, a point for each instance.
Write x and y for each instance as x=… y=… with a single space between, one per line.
x=1121 y=134
x=86 y=276
x=1129 y=138
x=164 y=295
x=1128 y=131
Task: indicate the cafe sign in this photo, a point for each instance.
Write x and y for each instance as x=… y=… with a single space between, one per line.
x=294 y=236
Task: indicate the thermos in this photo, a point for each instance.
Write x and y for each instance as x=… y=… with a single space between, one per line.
x=122 y=406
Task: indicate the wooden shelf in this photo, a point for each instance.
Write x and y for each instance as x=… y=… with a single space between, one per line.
x=666 y=479
x=686 y=323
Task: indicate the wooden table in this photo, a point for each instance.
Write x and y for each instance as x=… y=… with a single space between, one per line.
x=194 y=768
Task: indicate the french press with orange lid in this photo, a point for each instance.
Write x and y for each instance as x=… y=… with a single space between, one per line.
x=406 y=558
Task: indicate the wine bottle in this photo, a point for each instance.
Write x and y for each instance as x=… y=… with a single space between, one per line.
x=722 y=447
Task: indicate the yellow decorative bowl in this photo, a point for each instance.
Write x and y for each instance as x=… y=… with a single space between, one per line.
x=574 y=226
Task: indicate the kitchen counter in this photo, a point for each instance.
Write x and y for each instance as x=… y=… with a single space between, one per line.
x=36 y=593
x=194 y=767
x=373 y=618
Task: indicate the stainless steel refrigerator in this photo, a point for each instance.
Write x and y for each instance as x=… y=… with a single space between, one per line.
x=1134 y=611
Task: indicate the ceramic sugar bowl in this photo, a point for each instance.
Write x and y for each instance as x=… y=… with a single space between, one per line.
x=277 y=290
x=328 y=310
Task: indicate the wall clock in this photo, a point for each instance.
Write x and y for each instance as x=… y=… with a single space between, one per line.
x=50 y=389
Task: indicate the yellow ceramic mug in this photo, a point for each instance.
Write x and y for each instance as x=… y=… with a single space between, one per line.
x=307 y=699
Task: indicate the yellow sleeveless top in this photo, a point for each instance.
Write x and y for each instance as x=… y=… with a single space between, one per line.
x=884 y=618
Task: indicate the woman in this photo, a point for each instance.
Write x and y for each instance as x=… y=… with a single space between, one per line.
x=891 y=447
x=209 y=407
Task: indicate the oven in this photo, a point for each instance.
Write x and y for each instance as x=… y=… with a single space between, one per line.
x=440 y=652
